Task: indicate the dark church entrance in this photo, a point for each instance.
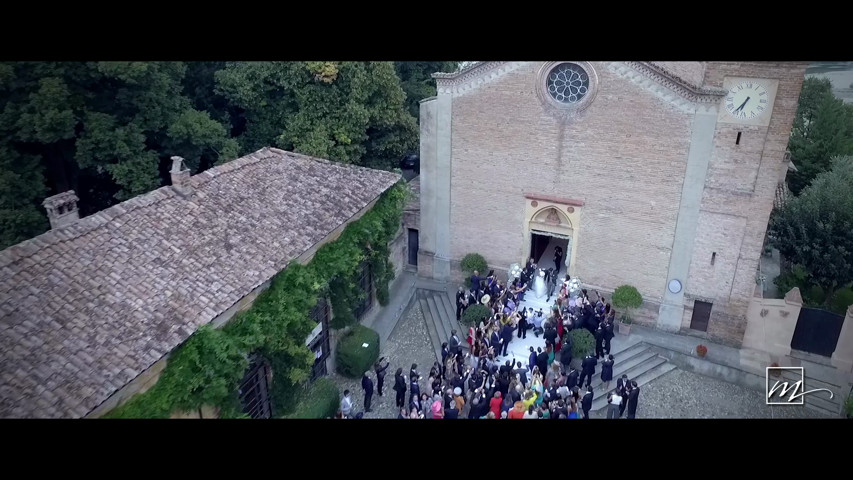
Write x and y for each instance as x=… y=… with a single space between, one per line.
x=543 y=247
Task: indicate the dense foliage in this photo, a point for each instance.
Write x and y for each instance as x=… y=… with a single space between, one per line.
x=823 y=128
x=583 y=342
x=812 y=230
x=627 y=298
x=107 y=129
x=352 y=358
x=320 y=400
x=417 y=82
x=475 y=314
x=472 y=262
x=207 y=368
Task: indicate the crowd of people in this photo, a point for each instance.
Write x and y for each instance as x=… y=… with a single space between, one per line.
x=482 y=382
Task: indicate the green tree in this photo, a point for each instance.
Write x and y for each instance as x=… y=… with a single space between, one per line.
x=823 y=128
x=813 y=229
x=103 y=129
x=351 y=112
x=416 y=80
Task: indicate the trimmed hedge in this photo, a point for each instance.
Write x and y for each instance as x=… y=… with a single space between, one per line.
x=474 y=261
x=352 y=359
x=583 y=342
x=321 y=400
x=474 y=314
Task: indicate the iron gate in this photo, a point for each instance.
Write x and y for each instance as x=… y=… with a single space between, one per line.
x=817 y=331
x=254 y=389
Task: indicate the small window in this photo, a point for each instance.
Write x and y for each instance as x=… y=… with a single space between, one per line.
x=713 y=257
x=737 y=142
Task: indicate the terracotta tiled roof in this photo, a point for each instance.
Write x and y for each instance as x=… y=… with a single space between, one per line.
x=86 y=308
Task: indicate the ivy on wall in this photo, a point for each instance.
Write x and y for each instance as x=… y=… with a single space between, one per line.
x=208 y=367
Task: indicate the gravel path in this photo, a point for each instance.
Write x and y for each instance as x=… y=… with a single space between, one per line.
x=675 y=396
x=409 y=343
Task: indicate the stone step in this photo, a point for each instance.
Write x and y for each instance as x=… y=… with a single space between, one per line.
x=619 y=346
x=618 y=369
x=450 y=308
x=818 y=400
x=443 y=332
x=442 y=310
x=658 y=371
x=430 y=324
x=634 y=373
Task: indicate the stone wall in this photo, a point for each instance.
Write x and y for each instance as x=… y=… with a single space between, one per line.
x=771 y=322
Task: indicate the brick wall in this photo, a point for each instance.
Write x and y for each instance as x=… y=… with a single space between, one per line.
x=625 y=157
x=739 y=191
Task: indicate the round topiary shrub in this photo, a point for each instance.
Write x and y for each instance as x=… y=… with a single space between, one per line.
x=583 y=343
x=627 y=298
x=474 y=261
x=474 y=314
x=353 y=358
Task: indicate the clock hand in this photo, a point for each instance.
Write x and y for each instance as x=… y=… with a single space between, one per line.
x=741 y=105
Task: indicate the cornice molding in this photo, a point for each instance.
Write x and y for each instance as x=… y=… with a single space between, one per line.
x=472 y=77
x=684 y=96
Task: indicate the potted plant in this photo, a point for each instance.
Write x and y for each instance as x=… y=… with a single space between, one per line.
x=774 y=370
x=626 y=298
x=701 y=350
x=625 y=325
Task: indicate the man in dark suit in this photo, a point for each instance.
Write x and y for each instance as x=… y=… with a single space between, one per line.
x=495 y=342
x=558 y=259
x=542 y=362
x=588 y=370
x=586 y=401
x=622 y=387
x=461 y=303
x=633 y=397
x=608 y=335
x=367 y=386
x=445 y=352
x=531 y=360
x=599 y=342
x=380 y=370
x=506 y=336
x=454 y=342
x=572 y=379
x=566 y=353
x=550 y=334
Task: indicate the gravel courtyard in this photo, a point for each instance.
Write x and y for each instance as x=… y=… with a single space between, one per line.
x=682 y=394
x=678 y=394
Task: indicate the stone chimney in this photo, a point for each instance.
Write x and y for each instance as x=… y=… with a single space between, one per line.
x=62 y=209
x=180 y=176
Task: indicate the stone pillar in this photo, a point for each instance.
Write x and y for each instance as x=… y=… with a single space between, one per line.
x=441 y=265
x=842 y=358
x=698 y=157
x=426 y=233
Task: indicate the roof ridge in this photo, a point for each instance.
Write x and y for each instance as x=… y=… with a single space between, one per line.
x=88 y=224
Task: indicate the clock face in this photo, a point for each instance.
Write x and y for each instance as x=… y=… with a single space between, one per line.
x=747 y=100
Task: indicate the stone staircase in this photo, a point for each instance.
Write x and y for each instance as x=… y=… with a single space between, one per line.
x=818 y=401
x=438 y=308
x=637 y=360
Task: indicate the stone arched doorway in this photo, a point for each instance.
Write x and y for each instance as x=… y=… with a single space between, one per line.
x=549 y=222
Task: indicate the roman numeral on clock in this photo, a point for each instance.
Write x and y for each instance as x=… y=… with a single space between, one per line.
x=763 y=100
x=730 y=106
x=762 y=94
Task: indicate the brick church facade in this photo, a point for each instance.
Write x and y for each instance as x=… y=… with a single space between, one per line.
x=660 y=175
